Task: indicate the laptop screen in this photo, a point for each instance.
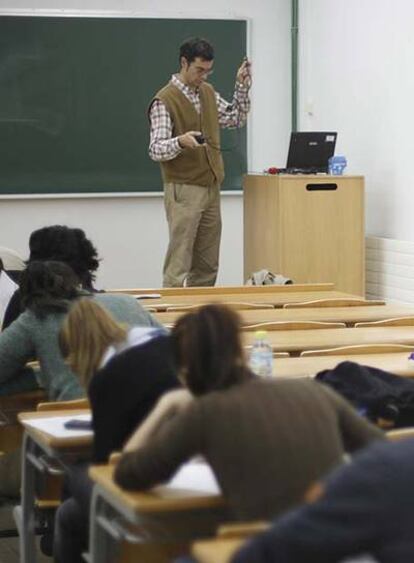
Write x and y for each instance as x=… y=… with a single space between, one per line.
x=311 y=150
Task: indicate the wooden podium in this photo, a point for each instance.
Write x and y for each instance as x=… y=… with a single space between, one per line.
x=309 y=228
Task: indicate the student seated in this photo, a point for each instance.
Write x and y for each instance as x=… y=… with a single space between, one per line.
x=125 y=371
x=265 y=439
x=365 y=507
x=61 y=244
x=47 y=290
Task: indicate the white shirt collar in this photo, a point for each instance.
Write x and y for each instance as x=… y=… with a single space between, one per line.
x=136 y=336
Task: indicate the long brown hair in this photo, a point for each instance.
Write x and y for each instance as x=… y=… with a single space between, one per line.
x=86 y=333
x=208 y=350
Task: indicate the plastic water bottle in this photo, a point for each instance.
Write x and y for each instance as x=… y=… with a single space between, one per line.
x=261 y=355
x=337 y=165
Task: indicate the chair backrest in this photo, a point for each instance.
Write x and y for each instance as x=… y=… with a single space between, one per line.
x=242 y=529
x=11 y=259
x=360 y=349
x=239 y=305
x=292 y=325
x=337 y=302
x=64 y=405
x=248 y=347
x=398 y=321
x=11 y=431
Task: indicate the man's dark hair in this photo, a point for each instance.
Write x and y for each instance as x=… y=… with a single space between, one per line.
x=48 y=286
x=208 y=350
x=196 y=47
x=68 y=245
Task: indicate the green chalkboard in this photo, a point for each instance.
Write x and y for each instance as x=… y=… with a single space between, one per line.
x=74 y=94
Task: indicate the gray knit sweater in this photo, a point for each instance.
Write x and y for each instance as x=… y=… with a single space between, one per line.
x=32 y=337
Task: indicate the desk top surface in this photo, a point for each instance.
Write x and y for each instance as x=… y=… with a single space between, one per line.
x=159 y=499
x=349 y=315
x=396 y=362
x=217 y=550
x=318 y=176
x=46 y=440
x=298 y=340
x=227 y=289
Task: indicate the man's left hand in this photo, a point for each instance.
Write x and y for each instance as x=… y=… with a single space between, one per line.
x=244 y=75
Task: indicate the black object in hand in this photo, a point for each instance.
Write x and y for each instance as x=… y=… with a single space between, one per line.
x=200 y=139
x=78 y=424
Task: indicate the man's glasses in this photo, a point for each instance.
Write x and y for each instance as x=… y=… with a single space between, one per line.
x=203 y=72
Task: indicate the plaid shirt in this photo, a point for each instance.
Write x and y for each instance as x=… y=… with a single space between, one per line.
x=163 y=146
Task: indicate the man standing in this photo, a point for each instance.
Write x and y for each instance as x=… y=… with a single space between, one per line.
x=186 y=116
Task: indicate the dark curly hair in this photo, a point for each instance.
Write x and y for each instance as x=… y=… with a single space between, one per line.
x=48 y=286
x=68 y=245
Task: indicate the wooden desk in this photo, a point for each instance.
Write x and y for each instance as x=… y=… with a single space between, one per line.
x=35 y=444
x=276 y=299
x=397 y=363
x=349 y=315
x=295 y=341
x=110 y=502
x=227 y=289
x=217 y=550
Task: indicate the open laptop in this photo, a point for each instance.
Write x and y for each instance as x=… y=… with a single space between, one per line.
x=310 y=151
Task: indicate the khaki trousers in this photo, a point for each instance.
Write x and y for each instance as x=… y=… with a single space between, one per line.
x=194 y=224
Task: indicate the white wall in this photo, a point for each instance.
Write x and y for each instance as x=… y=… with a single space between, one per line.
x=131 y=233
x=357 y=78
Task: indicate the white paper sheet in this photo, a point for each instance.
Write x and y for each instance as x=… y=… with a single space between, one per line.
x=195 y=476
x=54 y=426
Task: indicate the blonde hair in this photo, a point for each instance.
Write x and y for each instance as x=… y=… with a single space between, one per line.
x=86 y=333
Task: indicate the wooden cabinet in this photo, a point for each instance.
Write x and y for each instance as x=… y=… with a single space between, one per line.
x=308 y=228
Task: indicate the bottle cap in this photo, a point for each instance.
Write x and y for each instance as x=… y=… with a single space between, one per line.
x=260 y=334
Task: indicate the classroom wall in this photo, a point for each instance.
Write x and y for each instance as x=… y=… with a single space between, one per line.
x=131 y=233
x=356 y=77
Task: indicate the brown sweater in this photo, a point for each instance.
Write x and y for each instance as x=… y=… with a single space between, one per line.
x=266 y=441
